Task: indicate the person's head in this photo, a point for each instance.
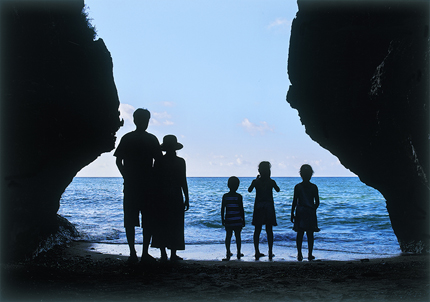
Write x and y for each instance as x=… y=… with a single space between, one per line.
x=264 y=169
x=306 y=172
x=233 y=183
x=141 y=118
x=170 y=143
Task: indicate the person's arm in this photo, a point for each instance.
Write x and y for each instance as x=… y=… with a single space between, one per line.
x=275 y=186
x=119 y=154
x=293 y=206
x=187 y=199
x=185 y=187
x=317 y=198
x=251 y=187
x=222 y=211
x=120 y=164
x=157 y=154
x=242 y=211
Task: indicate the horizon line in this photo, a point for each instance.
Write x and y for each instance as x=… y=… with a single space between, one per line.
x=226 y=176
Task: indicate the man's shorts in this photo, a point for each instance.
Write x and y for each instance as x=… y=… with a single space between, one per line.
x=135 y=202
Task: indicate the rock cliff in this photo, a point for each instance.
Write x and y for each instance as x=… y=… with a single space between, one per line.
x=59 y=112
x=359 y=75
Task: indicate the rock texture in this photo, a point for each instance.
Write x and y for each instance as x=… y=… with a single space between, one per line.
x=359 y=75
x=59 y=112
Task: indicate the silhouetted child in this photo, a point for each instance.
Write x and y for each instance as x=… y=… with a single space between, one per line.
x=305 y=203
x=234 y=218
x=264 y=207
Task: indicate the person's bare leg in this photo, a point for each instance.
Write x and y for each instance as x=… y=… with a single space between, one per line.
x=299 y=241
x=257 y=232
x=238 y=244
x=130 y=234
x=146 y=241
x=269 y=232
x=310 y=236
x=163 y=254
x=173 y=256
x=228 y=234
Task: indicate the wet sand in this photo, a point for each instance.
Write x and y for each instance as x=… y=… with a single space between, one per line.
x=87 y=272
x=216 y=252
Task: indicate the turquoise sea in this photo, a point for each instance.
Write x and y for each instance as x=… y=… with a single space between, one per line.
x=352 y=216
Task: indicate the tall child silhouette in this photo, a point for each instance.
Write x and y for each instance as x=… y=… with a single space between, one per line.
x=305 y=203
x=264 y=207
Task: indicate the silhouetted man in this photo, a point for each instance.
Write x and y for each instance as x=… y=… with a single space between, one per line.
x=135 y=157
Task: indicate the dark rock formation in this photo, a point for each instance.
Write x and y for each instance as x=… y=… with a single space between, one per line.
x=359 y=75
x=59 y=112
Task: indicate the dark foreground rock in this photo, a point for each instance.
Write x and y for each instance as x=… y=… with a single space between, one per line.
x=59 y=112
x=59 y=275
x=359 y=73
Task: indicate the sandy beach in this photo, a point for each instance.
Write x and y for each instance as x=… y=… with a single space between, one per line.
x=216 y=252
x=83 y=271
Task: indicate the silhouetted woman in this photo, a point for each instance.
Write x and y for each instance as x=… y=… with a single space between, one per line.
x=171 y=171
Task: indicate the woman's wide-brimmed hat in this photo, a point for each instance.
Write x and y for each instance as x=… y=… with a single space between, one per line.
x=170 y=142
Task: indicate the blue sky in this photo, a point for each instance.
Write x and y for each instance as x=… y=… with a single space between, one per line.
x=213 y=73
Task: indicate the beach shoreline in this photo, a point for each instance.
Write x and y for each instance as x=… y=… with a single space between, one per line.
x=81 y=272
x=217 y=251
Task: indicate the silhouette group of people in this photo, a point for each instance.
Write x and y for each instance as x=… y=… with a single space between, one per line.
x=155 y=188
x=303 y=211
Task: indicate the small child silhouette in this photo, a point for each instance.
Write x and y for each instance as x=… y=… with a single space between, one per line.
x=232 y=216
x=264 y=207
x=305 y=204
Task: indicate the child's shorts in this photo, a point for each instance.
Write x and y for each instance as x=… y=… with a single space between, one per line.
x=236 y=229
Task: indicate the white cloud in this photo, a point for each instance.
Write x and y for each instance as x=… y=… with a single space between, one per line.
x=240 y=161
x=254 y=128
x=226 y=161
x=103 y=166
x=126 y=112
x=161 y=115
x=280 y=22
x=282 y=165
x=168 y=104
x=160 y=118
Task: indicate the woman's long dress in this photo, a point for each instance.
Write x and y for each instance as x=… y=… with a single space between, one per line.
x=169 y=226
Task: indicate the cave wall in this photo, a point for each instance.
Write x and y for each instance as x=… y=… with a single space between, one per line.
x=59 y=112
x=359 y=74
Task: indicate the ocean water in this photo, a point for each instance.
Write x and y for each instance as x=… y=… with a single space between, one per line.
x=352 y=216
